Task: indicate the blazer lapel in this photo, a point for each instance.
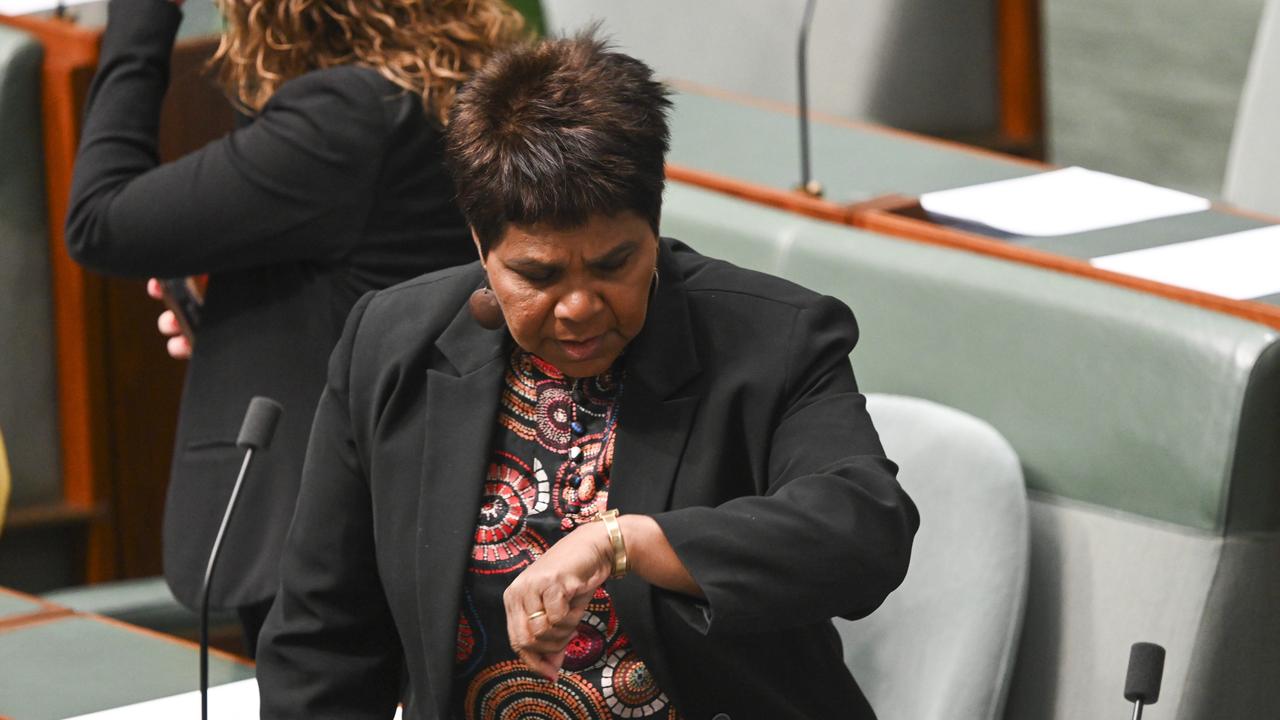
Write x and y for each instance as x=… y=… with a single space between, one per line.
x=659 y=403
x=459 y=426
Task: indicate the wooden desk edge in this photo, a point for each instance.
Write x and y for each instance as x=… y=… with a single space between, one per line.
x=879 y=215
x=45 y=610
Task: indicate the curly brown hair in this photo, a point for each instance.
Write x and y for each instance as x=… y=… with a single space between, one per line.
x=427 y=47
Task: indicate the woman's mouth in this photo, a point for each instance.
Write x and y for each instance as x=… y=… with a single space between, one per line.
x=580 y=350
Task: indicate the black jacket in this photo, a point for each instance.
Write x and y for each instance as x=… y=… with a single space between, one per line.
x=742 y=433
x=336 y=188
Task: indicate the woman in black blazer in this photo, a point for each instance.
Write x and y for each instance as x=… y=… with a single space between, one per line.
x=335 y=188
x=594 y=475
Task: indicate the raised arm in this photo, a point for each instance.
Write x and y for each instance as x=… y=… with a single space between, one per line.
x=296 y=183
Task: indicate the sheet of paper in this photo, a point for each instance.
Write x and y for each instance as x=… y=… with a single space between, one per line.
x=1239 y=266
x=23 y=7
x=233 y=701
x=1061 y=202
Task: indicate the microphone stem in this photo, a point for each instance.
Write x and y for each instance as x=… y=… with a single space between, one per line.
x=208 y=582
x=803 y=83
x=1137 y=710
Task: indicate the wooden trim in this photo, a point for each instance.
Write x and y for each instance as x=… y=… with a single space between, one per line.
x=890 y=215
x=51 y=515
x=790 y=201
x=924 y=231
x=46 y=611
x=1020 y=74
x=37 y=617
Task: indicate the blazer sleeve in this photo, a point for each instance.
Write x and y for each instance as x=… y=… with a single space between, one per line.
x=329 y=647
x=297 y=183
x=832 y=533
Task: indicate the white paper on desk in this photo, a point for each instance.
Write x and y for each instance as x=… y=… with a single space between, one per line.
x=24 y=7
x=233 y=701
x=1239 y=266
x=1061 y=202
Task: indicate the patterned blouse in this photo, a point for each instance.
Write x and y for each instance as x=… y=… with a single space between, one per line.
x=552 y=452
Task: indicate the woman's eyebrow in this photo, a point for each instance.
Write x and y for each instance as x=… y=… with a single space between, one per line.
x=614 y=255
x=527 y=263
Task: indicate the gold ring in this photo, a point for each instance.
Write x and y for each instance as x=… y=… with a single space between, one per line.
x=535 y=615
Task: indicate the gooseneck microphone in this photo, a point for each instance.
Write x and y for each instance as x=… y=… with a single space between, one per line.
x=807 y=185
x=1142 y=684
x=255 y=434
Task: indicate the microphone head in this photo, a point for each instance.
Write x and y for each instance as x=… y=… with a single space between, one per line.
x=1146 y=666
x=259 y=423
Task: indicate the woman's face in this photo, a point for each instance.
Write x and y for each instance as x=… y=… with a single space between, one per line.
x=576 y=297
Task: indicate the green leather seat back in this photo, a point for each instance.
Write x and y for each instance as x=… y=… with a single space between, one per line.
x=942 y=646
x=1147 y=429
x=28 y=405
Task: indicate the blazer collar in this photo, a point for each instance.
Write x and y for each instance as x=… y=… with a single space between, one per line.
x=659 y=403
x=663 y=357
x=465 y=344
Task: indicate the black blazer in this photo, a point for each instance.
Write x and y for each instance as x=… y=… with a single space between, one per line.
x=336 y=188
x=741 y=431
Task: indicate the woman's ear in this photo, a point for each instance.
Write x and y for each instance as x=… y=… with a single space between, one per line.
x=479 y=250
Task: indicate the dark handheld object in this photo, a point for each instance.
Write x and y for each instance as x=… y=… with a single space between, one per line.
x=183 y=297
x=255 y=434
x=807 y=183
x=1142 y=684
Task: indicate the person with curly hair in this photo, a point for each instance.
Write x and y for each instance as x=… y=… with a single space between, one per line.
x=336 y=187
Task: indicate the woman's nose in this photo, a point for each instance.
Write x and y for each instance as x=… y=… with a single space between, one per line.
x=578 y=305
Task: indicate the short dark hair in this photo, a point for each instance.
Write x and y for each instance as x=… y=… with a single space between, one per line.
x=555 y=132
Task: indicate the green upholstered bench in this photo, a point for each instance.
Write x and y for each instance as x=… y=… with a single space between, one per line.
x=1149 y=433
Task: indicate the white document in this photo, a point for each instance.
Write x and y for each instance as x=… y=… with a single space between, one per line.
x=1239 y=266
x=24 y=7
x=1061 y=202
x=233 y=701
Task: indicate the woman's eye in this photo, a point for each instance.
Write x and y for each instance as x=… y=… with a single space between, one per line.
x=538 y=277
x=613 y=266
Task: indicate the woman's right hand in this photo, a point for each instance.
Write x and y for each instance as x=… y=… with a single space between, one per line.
x=167 y=323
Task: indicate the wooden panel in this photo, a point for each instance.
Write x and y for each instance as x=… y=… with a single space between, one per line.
x=1021 y=75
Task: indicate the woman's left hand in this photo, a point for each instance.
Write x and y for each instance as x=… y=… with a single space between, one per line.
x=560 y=585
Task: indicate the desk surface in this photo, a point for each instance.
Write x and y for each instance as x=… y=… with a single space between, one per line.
x=758 y=142
x=749 y=148
x=76 y=664
x=13 y=606
x=19 y=609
